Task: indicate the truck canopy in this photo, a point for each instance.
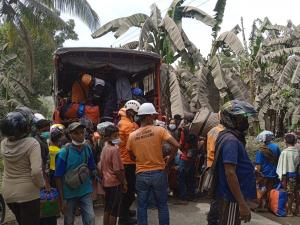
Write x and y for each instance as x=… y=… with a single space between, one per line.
x=103 y=63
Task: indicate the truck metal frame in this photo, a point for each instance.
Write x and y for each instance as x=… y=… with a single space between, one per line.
x=105 y=63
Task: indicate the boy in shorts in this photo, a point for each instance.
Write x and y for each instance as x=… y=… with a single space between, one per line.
x=287 y=173
x=113 y=176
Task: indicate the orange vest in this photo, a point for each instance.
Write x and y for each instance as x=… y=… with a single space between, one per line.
x=126 y=127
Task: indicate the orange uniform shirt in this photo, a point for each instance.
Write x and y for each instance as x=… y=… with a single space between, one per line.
x=79 y=92
x=212 y=136
x=126 y=127
x=146 y=144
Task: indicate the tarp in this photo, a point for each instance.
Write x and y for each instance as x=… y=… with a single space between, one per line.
x=103 y=63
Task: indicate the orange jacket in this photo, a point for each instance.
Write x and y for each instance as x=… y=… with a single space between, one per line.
x=126 y=126
x=80 y=92
x=212 y=136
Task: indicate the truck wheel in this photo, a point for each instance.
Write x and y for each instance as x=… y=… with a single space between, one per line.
x=2 y=209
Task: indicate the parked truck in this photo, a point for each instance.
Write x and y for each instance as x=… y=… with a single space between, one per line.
x=120 y=69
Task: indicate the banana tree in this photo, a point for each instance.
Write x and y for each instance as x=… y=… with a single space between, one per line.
x=13 y=88
x=163 y=35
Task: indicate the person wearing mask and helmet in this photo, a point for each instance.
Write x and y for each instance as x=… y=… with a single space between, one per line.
x=126 y=126
x=23 y=177
x=235 y=173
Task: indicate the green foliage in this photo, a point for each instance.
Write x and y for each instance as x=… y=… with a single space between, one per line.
x=168 y=52
x=287 y=93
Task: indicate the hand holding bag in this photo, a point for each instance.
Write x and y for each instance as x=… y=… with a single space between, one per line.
x=49 y=206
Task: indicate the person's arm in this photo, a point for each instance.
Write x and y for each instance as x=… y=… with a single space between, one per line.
x=258 y=161
x=62 y=202
x=60 y=166
x=119 y=169
x=129 y=149
x=91 y=164
x=131 y=155
x=230 y=155
x=36 y=165
x=234 y=186
x=120 y=175
x=173 y=150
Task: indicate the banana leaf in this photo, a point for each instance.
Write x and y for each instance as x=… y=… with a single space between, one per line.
x=195 y=13
x=173 y=33
x=121 y=25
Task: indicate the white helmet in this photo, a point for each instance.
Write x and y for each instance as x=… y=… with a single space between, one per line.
x=37 y=117
x=147 y=109
x=132 y=104
x=101 y=126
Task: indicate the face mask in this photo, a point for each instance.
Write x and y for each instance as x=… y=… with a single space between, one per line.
x=116 y=141
x=172 y=126
x=77 y=143
x=243 y=125
x=45 y=135
x=136 y=118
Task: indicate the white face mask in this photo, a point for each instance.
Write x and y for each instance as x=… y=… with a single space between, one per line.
x=77 y=143
x=172 y=126
x=116 y=141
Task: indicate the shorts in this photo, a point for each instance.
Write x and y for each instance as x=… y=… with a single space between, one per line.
x=292 y=185
x=112 y=201
x=228 y=213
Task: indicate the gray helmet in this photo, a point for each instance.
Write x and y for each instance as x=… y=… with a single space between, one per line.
x=233 y=109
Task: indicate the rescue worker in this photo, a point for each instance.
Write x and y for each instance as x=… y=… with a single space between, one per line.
x=145 y=146
x=126 y=127
x=81 y=88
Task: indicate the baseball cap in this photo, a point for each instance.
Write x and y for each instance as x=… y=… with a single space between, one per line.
x=73 y=126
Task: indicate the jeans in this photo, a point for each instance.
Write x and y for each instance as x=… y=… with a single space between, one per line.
x=186 y=178
x=87 y=211
x=181 y=179
x=155 y=182
x=190 y=177
x=128 y=197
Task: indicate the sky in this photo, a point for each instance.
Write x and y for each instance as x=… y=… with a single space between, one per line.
x=278 y=11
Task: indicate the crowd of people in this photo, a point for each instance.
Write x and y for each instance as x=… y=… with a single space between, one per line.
x=144 y=157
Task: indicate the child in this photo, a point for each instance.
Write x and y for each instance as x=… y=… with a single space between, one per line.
x=286 y=170
x=56 y=134
x=113 y=176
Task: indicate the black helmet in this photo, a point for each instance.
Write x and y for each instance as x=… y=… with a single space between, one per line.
x=27 y=112
x=233 y=111
x=15 y=125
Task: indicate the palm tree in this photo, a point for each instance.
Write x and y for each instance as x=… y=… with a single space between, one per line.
x=22 y=15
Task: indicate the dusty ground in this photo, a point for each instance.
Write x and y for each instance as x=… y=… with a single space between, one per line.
x=192 y=214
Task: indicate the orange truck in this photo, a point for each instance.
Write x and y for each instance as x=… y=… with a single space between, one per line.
x=119 y=69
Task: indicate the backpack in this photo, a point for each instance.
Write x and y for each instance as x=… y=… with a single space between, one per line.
x=210 y=175
x=77 y=176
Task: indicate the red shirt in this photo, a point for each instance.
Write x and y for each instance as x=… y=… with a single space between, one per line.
x=185 y=146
